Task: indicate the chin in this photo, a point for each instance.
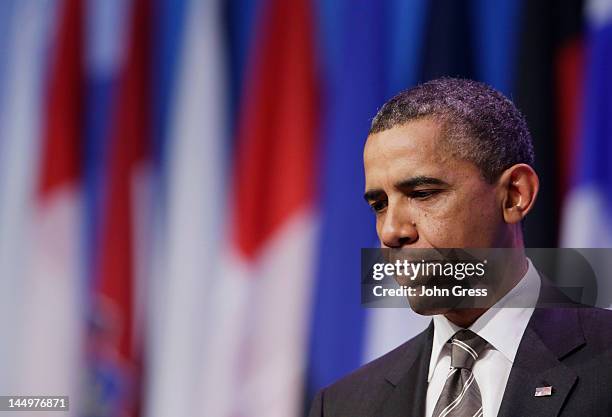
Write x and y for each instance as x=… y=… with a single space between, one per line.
x=429 y=306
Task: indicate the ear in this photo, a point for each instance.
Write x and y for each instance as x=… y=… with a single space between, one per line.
x=519 y=185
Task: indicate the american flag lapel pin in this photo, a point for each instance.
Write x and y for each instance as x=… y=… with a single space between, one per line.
x=543 y=392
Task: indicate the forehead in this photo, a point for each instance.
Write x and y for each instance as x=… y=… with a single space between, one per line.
x=416 y=148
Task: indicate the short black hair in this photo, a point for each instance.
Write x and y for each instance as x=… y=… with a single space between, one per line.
x=480 y=123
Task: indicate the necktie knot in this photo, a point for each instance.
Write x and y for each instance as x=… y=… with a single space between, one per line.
x=466 y=346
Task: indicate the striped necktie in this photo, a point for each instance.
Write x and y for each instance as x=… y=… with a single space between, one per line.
x=460 y=396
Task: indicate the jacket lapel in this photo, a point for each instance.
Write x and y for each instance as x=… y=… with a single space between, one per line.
x=409 y=381
x=551 y=335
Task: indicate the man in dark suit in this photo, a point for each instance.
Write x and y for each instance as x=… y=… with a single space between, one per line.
x=449 y=164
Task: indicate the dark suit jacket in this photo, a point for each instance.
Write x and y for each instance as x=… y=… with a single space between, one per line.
x=569 y=349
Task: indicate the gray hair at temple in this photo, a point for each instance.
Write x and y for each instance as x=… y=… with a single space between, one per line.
x=478 y=122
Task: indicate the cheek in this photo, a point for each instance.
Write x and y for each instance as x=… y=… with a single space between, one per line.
x=379 y=225
x=380 y=222
x=457 y=222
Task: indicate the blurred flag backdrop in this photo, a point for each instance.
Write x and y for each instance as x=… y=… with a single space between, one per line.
x=181 y=181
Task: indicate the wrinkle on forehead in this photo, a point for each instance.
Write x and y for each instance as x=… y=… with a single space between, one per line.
x=416 y=148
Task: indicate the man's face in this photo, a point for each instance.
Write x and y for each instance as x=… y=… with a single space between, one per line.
x=423 y=196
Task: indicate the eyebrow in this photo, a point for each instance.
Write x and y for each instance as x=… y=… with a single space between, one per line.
x=372 y=195
x=419 y=181
x=409 y=183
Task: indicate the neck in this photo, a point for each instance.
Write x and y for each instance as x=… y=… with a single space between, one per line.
x=466 y=317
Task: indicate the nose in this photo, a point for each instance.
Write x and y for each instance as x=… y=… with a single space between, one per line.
x=397 y=229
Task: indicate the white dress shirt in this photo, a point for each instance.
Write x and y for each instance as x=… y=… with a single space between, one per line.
x=503 y=328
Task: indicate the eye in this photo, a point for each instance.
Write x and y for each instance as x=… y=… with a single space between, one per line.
x=423 y=194
x=378 y=206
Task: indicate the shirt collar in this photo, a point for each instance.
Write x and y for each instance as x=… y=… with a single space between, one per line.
x=493 y=324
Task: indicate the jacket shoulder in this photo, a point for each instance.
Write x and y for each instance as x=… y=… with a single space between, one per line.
x=369 y=384
x=597 y=325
